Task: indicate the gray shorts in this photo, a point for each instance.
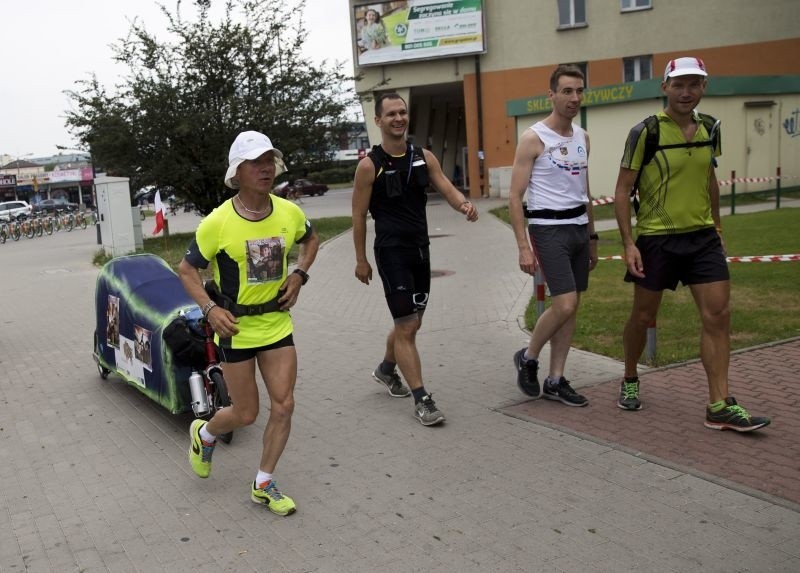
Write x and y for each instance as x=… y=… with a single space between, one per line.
x=563 y=254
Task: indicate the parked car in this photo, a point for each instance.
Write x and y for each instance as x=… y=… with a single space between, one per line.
x=52 y=205
x=13 y=209
x=300 y=187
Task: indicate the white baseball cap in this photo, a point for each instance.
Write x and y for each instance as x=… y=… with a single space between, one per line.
x=685 y=67
x=247 y=146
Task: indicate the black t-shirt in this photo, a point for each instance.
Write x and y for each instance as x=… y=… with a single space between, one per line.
x=399 y=197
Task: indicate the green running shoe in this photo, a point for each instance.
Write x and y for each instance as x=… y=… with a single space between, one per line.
x=734 y=417
x=629 y=394
x=199 y=453
x=270 y=496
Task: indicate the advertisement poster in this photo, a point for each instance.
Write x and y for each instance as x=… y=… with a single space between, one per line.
x=391 y=32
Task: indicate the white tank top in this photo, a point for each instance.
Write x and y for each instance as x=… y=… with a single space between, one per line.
x=559 y=176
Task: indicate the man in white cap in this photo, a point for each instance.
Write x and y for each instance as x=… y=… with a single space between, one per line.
x=679 y=236
x=248 y=311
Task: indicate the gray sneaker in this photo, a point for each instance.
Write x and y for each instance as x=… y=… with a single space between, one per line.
x=392 y=382
x=427 y=413
x=629 y=394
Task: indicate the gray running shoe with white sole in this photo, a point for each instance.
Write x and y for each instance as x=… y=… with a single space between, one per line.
x=392 y=382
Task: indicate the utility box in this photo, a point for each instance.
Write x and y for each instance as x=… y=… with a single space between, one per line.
x=115 y=215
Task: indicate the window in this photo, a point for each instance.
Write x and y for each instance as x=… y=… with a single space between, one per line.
x=582 y=67
x=638 y=68
x=571 y=13
x=584 y=71
x=630 y=5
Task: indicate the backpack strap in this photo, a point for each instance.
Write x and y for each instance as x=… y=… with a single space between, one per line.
x=652 y=145
x=378 y=157
x=650 y=125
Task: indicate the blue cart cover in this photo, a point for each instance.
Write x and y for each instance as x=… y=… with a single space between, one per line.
x=136 y=297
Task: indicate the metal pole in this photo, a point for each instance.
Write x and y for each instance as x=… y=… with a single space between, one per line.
x=733 y=192
x=539 y=291
x=778 y=188
x=650 y=349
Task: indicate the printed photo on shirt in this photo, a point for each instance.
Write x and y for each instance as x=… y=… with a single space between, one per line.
x=265 y=260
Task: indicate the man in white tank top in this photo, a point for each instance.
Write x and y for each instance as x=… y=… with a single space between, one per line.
x=550 y=170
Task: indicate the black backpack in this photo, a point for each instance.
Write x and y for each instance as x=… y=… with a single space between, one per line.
x=652 y=145
x=398 y=179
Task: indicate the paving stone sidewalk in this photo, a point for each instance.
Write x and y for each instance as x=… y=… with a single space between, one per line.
x=95 y=477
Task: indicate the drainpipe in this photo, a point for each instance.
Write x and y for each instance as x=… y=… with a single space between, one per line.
x=480 y=119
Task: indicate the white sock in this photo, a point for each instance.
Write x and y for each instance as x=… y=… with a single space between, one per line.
x=527 y=357
x=263 y=478
x=206 y=436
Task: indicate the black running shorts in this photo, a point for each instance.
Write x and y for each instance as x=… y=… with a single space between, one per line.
x=406 y=276
x=691 y=258
x=245 y=354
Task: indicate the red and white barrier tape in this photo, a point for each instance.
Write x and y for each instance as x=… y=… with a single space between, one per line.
x=753 y=259
x=722 y=183
x=765 y=259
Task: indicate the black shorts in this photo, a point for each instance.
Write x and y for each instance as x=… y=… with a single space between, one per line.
x=406 y=276
x=563 y=254
x=691 y=258
x=245 y=354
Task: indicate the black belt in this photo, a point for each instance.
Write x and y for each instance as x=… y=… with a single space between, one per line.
x=237 y=309
x=251 y=309
x=551 y=214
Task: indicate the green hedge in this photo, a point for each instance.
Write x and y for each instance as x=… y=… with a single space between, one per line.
x=342 y=173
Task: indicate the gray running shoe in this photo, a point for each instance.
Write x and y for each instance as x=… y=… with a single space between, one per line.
x=427 y=413
x=392 y=382
x=629 y=395
x=561 y=391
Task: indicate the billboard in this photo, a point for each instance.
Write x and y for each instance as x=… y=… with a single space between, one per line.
x=392 y=32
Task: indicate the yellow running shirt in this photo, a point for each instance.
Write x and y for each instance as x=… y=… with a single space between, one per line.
x=673 y=188
x=251 y=263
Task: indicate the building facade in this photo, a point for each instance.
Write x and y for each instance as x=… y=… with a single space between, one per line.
x=470 y=108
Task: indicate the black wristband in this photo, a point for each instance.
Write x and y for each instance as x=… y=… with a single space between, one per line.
x=594 y=237
x=302 y=273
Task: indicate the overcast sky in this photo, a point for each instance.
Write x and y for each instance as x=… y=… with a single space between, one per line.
x=47 y=45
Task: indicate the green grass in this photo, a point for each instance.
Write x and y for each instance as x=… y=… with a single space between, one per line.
x=764 y=296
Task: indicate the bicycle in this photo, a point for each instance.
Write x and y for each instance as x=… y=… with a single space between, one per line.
x=13 y=229
x=46 y=223
x=63 y=220
x=26 y=227
x=78 y=220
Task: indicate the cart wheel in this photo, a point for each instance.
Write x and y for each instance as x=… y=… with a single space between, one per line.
x=104 y=372
x=221 y=400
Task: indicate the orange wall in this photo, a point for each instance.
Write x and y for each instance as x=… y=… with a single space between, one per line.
x=499 y=133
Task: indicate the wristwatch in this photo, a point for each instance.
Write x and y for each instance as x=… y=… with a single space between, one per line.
x=302 y=273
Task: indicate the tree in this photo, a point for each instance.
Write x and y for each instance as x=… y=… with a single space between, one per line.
x=172 y=119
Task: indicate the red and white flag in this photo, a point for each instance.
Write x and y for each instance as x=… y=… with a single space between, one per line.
x=159 y=207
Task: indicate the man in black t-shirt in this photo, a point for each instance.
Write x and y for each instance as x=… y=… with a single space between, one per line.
x=390 y=184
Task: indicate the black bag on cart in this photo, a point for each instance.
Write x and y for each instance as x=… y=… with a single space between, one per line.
x=188 y=347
